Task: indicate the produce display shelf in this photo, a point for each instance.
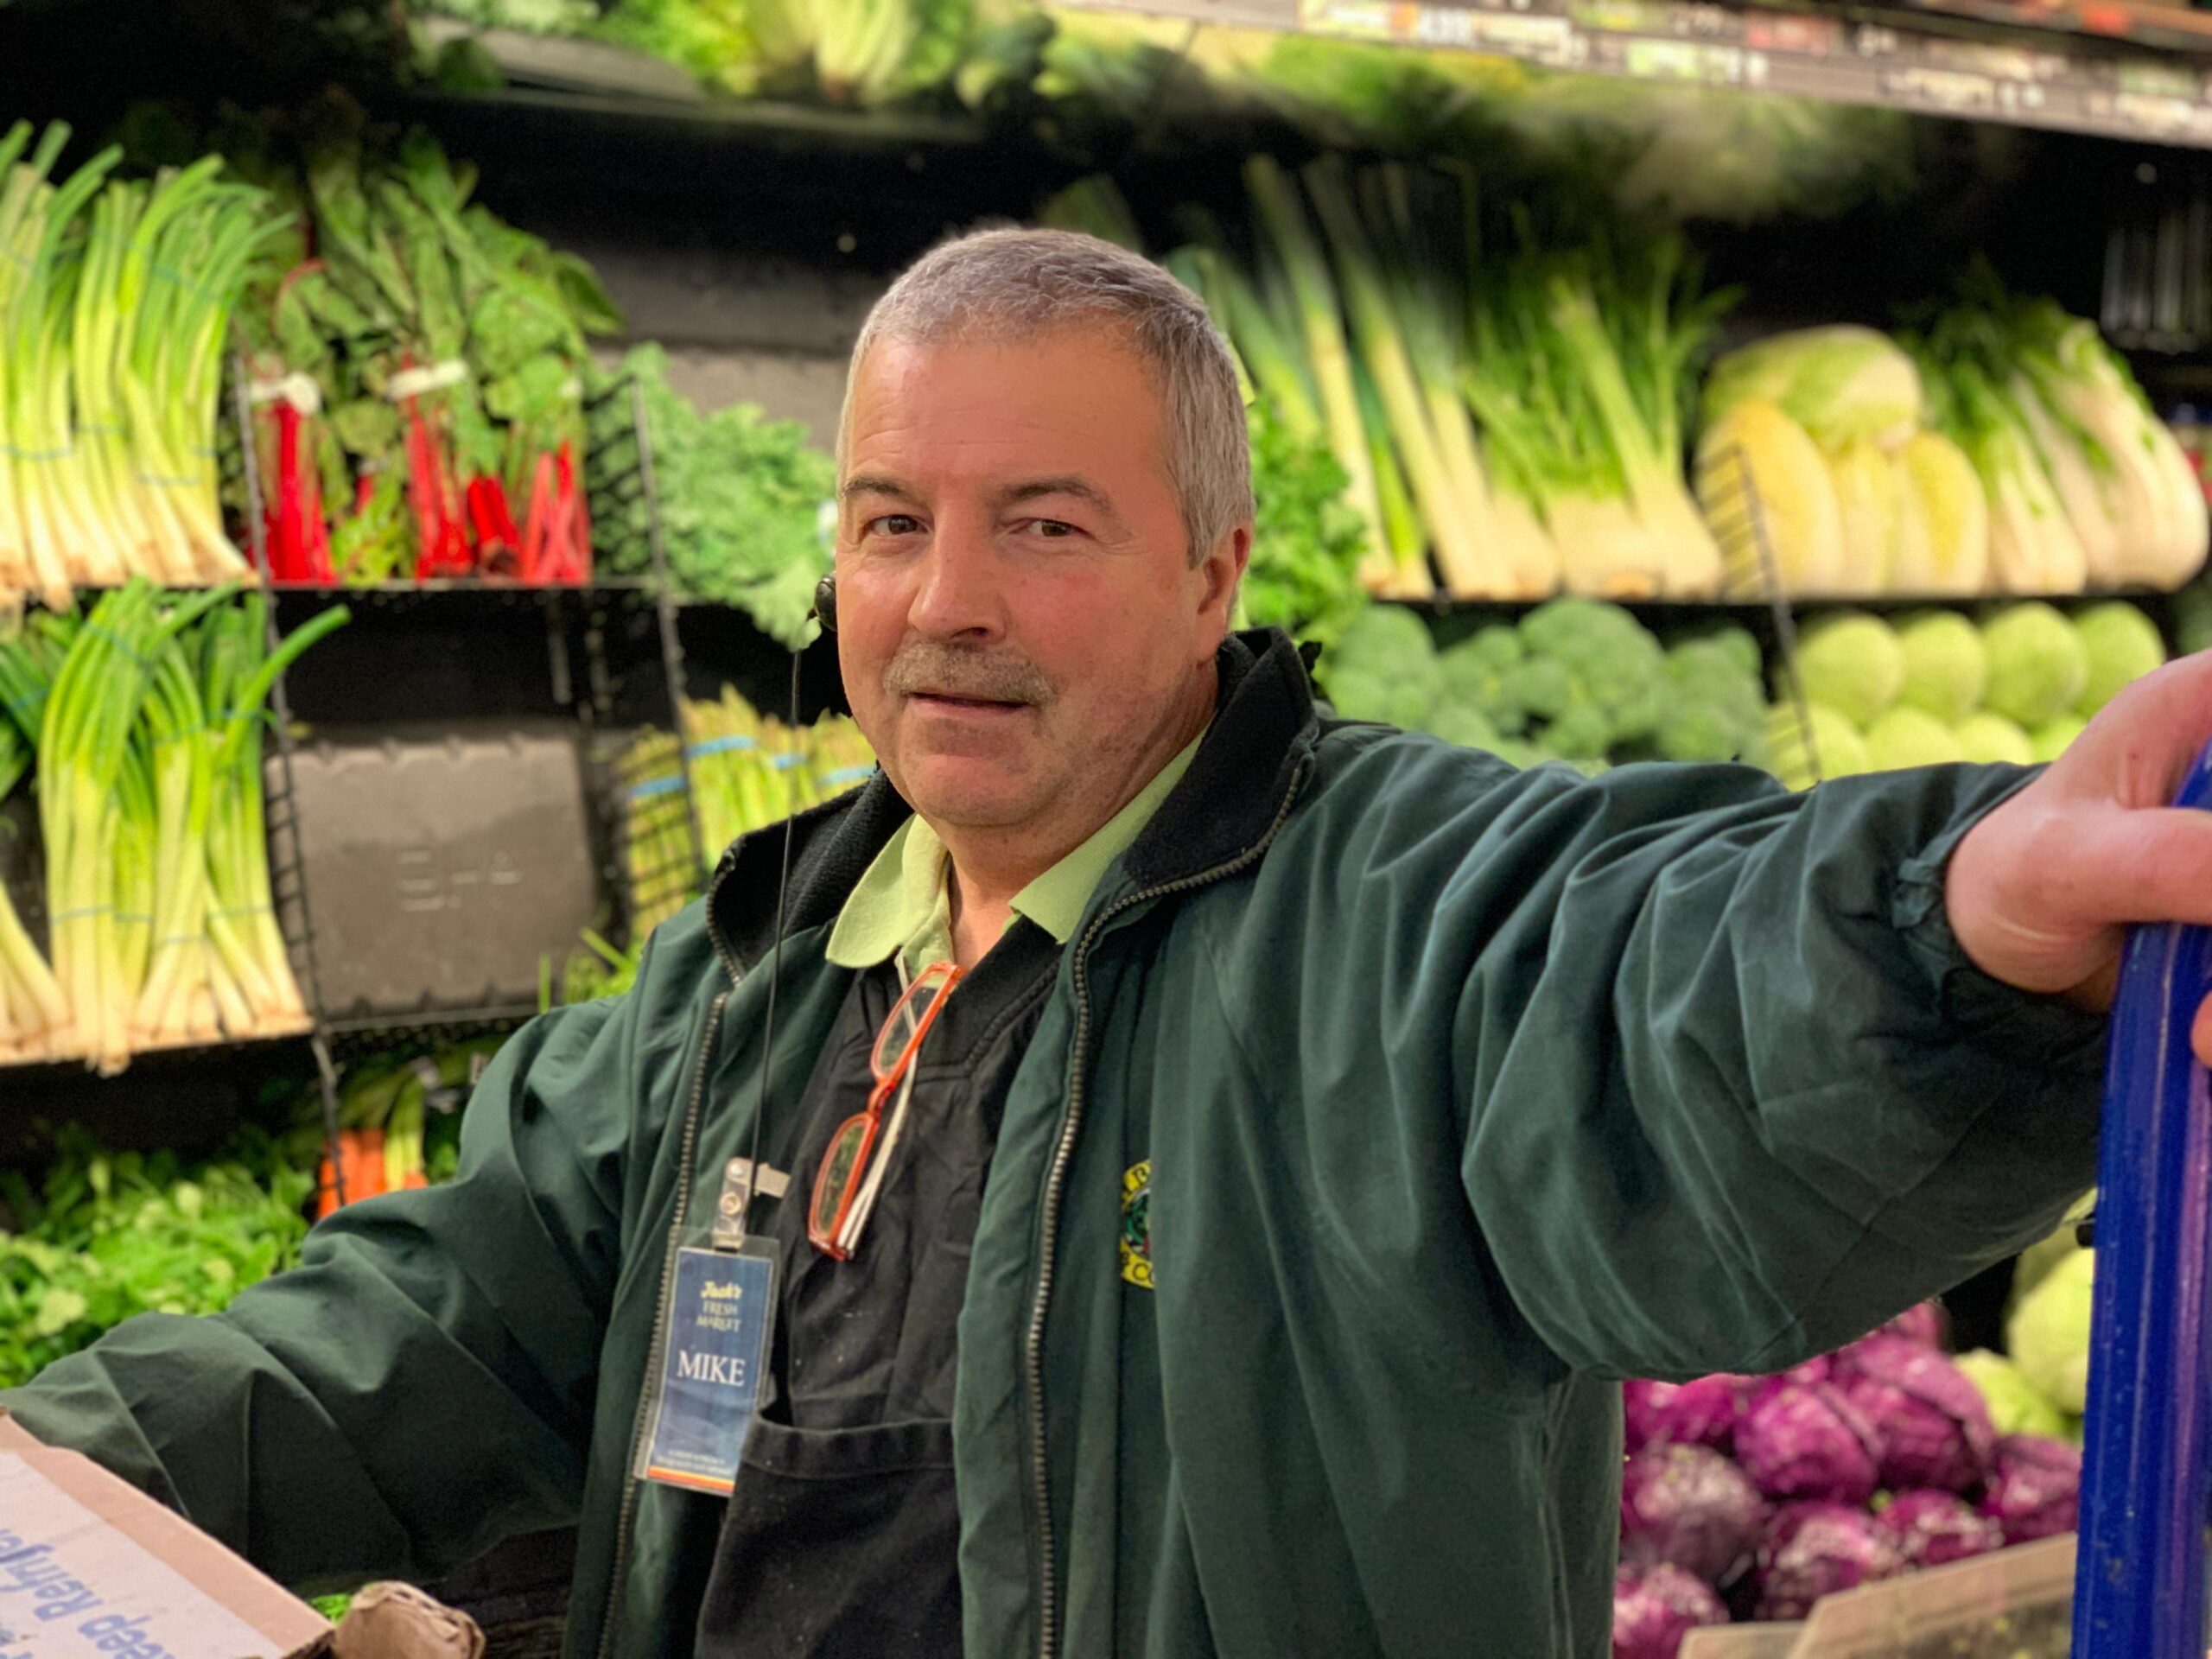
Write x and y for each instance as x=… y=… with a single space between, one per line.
x=428 y=1027
x=213 y=1050
x=1689 y=612
x=1994 y=63
x=463 y=585
x=620 y=98
x=442 y=1021
x=2164 y=28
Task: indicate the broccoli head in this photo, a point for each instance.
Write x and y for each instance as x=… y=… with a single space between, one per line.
x=1594 y=672
x=1384 y=667
x=1713 y=707
x=1477 y=675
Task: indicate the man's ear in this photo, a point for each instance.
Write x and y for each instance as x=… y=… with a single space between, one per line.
x=1223 y=567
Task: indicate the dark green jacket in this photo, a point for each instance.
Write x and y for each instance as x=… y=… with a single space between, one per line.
x=1465 y=1092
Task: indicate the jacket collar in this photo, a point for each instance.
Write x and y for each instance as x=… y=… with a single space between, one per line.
x=1264 y=724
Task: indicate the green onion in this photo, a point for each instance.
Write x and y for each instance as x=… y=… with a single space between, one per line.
x=163 y=928
x=33 y=1014
x=115 y=306
x=240 y=670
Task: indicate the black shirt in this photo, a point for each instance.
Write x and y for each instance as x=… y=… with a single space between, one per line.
x=840 y=1538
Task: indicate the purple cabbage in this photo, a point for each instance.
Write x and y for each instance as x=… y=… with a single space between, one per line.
x=1690 y=1506
x=1654 y=1608
x=1702 y=1413
x=1813 y=1550
x=2034 y=1488
x=1756 y=1390
x=1931 y=1425
x=1807 y=1440
x=1924 y=1323
x=1932 y=1527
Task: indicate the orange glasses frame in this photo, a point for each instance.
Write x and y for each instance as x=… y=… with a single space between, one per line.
x=866 y=1124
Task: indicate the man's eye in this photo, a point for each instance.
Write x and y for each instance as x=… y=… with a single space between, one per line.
x=893 y=523
x=1053 y=529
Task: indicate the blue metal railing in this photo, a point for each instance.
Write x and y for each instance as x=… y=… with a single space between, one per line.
x=2139 y=1583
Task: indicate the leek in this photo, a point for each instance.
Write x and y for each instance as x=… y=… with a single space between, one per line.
x=1300 y=267
x=1641 y=421
x=1401 y=530
x=1537 y=416
x=1459 y=527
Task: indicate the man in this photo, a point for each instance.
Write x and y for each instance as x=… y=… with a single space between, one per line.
x=1355 y=1110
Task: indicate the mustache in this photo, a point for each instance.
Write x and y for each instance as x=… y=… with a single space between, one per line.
x=955 y=671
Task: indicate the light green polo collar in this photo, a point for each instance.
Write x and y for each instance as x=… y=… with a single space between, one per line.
x=902 y=907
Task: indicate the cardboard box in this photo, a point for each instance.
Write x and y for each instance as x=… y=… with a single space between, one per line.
x=91 y=1568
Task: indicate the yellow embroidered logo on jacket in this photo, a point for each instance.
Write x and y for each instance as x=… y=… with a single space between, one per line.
x=1136 y=1225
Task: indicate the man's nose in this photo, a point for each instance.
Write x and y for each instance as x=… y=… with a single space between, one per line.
x=959 y=595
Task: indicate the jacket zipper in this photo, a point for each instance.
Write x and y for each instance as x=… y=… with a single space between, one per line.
x=617 y=1582
x=1055 y=1183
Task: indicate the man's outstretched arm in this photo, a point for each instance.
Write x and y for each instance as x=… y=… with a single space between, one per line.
x=1704 y=1062
x=423 y=1384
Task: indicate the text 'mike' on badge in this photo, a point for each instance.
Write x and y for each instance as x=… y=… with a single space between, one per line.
x=710 y=1382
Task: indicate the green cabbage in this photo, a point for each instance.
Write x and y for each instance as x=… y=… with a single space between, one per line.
x=2038 y=668
x=1852 y=663
x=2052 y=738
x=2036 y=1262
x=1992 y=740
x=1946 y=669
x=1909 y=737
x=2016 y=1407
x=2122 y=645
x=1836 y=750
x=2049 y=1333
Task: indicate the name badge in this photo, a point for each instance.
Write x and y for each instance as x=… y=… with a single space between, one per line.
x=720 y=1308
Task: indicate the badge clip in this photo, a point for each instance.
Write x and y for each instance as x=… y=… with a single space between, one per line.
x=735 y=1203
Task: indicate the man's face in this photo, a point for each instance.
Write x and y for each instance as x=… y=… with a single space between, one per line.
x=1019 y=628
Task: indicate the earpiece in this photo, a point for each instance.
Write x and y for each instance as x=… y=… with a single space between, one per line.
x=825 y=604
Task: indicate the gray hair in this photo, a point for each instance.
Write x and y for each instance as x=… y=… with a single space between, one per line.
x=1010 y=285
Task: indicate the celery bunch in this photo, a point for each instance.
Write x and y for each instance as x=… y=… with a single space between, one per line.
x=746 y=770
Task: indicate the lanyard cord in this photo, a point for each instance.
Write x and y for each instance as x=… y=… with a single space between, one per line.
x=775 y=973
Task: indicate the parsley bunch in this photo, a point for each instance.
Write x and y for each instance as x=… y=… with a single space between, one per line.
x=741 y=499
x=110 y=1235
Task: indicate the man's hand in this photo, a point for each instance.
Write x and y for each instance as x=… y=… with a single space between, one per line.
x=2041 y=890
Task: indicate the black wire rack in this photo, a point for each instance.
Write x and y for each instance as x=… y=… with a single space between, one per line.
x=612 y=659
x=609 y=673
x=287 y=866
x=637 y=750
